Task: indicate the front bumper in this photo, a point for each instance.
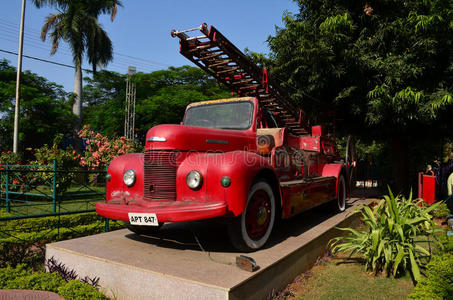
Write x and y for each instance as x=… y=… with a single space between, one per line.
x=166 y=211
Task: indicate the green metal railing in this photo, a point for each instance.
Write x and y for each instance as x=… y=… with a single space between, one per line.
x=45 y=190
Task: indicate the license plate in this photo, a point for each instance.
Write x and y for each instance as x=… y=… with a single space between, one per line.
x=147 y=219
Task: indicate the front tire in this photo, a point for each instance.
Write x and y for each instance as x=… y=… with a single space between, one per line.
x=143 y=230
x=251 y=230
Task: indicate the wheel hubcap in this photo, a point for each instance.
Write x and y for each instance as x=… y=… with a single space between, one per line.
x=258 y=213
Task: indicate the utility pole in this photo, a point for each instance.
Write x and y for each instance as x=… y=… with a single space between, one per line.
x=129 y=120
x=19 y=70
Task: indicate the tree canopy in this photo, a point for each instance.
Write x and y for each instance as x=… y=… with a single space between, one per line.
x=161 y=97
x=45 y=110
x=385 y=67
x=387 y=62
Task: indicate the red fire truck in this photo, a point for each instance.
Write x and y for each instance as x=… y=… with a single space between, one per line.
x=249 y=159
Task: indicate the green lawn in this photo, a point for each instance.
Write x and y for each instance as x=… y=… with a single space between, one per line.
x=342 y=279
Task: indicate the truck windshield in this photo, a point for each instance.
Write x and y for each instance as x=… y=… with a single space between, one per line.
x=226 y=115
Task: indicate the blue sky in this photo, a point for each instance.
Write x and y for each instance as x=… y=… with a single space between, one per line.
x=141 y=32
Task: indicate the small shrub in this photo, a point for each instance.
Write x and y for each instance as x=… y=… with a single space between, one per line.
x=9 y=273
x=22 y=278
x=16 y=179
x=64 y=159
x=441 y=211
x=445 y=243
x=438 y=283
x=390 y=240
x=10 y=158
x=75 y=290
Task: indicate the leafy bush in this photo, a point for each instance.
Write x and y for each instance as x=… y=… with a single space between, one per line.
x=64 y=159
x=75 y=290
x=390 y=239
x=22 y=278
x=441 y=211
x=438 y=283
x=445 y=243
x=16 y=178
x=10 y=158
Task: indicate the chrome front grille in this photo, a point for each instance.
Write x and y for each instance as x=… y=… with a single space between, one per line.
x=160 y=175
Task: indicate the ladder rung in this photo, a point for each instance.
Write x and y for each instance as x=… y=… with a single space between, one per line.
x=249 y=87
x=220 y=63
x=243 y=81
x=196 y=38
x=198 y=48
x=270 y=100
x=228 y=70
x=209 y=56
x=271 y=106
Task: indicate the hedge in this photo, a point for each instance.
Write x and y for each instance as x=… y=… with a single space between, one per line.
x=43 y=223
x=22 y=241
x=438 y=283
x=22 y=278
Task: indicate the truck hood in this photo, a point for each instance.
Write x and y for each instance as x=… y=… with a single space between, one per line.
x=191 y=138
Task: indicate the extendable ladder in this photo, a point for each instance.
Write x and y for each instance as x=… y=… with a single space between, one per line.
x=217 y=56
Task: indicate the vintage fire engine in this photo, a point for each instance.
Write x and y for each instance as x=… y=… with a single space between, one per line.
x=248 y=160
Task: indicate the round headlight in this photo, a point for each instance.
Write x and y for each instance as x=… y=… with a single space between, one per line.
x=194 y=180
x=129 y=177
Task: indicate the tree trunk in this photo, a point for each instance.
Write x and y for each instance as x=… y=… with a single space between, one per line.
x=400 y=166
x=77 y=106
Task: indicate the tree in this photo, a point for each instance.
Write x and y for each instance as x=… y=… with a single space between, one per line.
x=77 y=24
x=45 y=110
x=385 y=67
x=161 y=97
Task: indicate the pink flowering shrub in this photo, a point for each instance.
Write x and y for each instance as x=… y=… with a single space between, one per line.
x=100 y=150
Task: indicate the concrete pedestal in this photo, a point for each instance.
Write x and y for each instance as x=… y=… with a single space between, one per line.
x=172 y=265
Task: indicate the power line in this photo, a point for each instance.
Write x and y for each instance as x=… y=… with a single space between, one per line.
x=141 y=61
x=43 y=60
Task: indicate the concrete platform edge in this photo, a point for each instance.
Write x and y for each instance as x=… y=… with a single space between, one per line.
x=121 y=281
x=286 y=269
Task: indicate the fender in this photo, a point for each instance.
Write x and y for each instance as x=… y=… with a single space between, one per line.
x=115 y=188
x=334 y=170
x=240 y=166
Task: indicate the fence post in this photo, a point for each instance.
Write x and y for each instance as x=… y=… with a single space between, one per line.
x=7 y=189
x=54 y=187
x=107 y=225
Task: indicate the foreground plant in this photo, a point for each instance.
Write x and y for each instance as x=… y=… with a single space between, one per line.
x=391 y=238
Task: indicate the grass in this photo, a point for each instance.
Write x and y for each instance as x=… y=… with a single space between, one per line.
x=342 y=278
x=76 y=198
x=339 y=278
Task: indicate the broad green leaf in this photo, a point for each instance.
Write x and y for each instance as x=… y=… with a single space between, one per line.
x=414 y=266
x=375 y=239
x=398 y=259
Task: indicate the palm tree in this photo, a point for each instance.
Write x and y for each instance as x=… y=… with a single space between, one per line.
x=76 y=23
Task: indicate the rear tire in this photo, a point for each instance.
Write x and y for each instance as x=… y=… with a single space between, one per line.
x=341 y=194
x=143 y=230
x=251 y=230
